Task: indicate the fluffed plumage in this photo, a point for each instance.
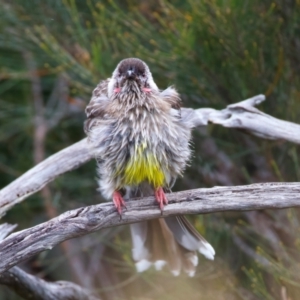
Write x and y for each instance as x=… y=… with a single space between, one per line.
x=141 y=144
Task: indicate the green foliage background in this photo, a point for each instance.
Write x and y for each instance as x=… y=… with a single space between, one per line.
x=216 y=52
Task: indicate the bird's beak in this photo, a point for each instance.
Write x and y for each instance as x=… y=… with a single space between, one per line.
x=130 y=75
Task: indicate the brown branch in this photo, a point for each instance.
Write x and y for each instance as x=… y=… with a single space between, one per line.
x=242 y=115
x=26 y=243
x=40 y=123
x=41 y=128
x=33 y=288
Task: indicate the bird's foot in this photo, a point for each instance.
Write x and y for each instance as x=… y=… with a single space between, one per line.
x=118 y=202
x=161 y=198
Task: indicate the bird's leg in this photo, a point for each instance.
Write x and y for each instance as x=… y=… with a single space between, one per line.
x=161 y=198
x=118 y=202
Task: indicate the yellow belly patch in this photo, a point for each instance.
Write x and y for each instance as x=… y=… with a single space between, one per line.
x=143 y=167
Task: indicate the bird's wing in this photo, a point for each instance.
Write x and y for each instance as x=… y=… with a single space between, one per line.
x=171 y=96
x=96 y=109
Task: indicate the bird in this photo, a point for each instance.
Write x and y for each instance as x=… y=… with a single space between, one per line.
x=141 y=143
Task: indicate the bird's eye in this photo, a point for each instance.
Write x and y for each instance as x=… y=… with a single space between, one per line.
x=119 y=74
x=143 y=75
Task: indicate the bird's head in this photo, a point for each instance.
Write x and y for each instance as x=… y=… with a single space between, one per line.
x=131 y=74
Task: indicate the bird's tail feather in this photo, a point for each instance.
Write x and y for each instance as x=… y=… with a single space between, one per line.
x=172 y=241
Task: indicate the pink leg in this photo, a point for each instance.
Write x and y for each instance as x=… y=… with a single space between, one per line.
x=161 y=198
x=118 y=201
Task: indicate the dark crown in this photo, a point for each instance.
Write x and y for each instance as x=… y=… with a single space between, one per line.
x=133 y=64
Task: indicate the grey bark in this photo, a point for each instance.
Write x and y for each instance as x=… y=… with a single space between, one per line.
x=22 y=245
x=36 y=178
x=245 y=116
x=33 y=288
x=242 y=115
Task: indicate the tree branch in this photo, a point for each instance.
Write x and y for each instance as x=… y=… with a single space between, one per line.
x=33 y=288
x=36 y=178
x=242 y=115
x=245 y=116
x=26 y=243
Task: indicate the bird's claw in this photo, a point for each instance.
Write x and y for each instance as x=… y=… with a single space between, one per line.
x=119 y=202
x=161 y=198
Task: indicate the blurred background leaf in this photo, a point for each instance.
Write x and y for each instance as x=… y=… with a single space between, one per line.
x=216 y=52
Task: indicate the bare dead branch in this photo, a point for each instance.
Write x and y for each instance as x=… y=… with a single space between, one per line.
x=5 y=230
x=26 y=243
x=245 y=116
x=242 y=115
x=33 y=288
x=36 y=178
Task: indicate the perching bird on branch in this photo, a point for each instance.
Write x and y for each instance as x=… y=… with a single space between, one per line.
x=141 y=143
